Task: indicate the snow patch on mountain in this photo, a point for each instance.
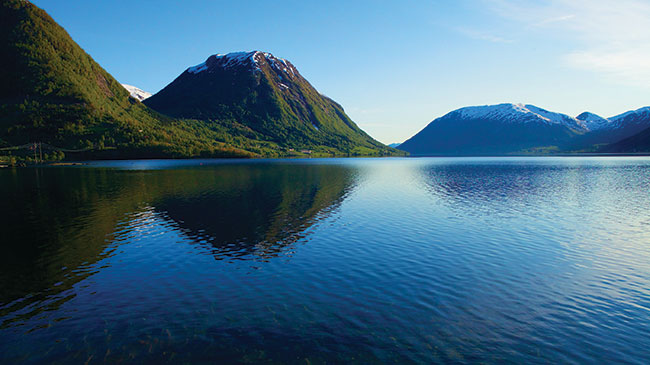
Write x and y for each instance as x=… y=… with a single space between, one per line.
x=198 y=68
x=279 y=64
x=137 y=93
x=641 y=112
x=238 y=58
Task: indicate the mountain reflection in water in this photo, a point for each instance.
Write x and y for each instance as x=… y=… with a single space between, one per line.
x=242 y=210
x=56 y=223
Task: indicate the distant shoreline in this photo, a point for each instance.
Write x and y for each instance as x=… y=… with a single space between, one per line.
x=87 y=162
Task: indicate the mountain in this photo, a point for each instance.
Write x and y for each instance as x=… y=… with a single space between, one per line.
x=594 y=122
x=521 y=129
x=267 y=95
x=137 y=93
x=637 y=143
x=605 y=131
x=52 y=91
x=495 y=129
x=394 y=145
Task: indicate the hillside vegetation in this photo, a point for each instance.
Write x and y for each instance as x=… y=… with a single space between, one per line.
x=52 y=91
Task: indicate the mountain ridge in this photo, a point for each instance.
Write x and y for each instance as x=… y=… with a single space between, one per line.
x=521 y=129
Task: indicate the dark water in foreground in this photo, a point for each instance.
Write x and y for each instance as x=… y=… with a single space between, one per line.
x=528 y=260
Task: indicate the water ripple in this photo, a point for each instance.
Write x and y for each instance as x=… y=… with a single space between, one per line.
x=516 y=260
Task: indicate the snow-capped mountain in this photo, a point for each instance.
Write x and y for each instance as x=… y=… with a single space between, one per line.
x=639 y=117
x=495 y=130
x=603 y=131
x=137 y=93
x=264 y=95
x=521 y=128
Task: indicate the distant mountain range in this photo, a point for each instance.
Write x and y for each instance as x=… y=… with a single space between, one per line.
x=523 y=129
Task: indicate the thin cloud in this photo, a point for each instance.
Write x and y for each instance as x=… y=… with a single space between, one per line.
x=611 y=37
x=625 y=66
x=483 y=36
x=556 y=19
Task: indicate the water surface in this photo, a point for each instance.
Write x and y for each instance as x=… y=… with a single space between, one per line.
x=492 y=260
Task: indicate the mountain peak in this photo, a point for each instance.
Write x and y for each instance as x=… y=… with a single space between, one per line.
x=136 y=92
x=589 y=116
x=252 y=59
x=594 y=122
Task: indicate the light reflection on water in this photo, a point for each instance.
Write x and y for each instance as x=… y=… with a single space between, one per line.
x=356 y=260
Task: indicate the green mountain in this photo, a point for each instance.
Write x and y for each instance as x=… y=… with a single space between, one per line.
x=53 y=92
x=268 y=95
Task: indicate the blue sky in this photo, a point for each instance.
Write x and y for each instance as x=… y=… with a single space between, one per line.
x=393 y=65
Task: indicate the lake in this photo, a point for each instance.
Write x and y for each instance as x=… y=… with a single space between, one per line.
x=527 y=260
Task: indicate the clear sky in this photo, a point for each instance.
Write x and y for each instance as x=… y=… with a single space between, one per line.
x=393 y=65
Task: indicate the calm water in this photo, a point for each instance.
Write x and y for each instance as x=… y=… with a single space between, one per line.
x=531 y=260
